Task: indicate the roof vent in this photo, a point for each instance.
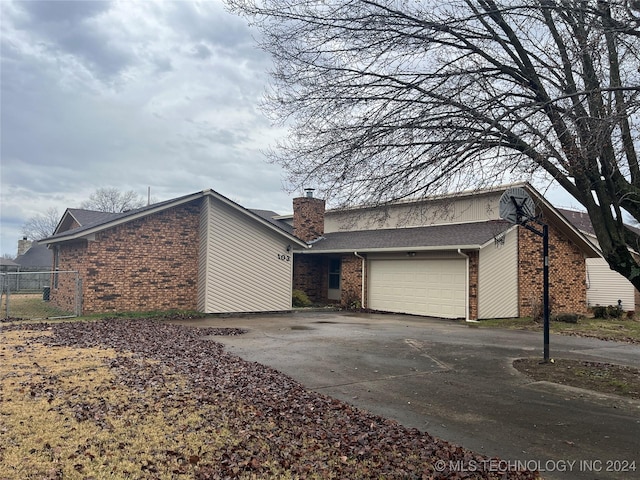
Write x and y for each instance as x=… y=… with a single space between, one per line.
x=308 y=192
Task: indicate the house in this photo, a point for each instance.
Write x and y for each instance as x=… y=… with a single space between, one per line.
x=196 y=252
x=449 y=256
x=36 y=258
x=604 y=286
x=8 y=265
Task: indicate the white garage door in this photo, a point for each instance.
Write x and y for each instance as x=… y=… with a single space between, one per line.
x=420 y=287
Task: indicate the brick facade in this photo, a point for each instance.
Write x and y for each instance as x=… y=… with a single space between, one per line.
x=308 y=218
x=145 y=264
x=474 y=262
x=311 y=276
x=351 y=294
x=567 y=274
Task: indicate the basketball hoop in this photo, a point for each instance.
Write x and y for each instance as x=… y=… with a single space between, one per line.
x=517 y=208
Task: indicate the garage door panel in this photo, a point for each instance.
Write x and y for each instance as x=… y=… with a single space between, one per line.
x=421 y=287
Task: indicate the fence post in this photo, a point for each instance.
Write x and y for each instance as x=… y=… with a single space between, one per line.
x=7 y=293
x=78 y=311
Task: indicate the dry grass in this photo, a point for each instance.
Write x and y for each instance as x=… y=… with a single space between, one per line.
x=29 y=306
x=52 y=422
x=50 y=430
x=616 y=329
x=598 y=377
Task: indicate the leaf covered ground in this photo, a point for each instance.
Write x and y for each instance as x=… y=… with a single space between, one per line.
x=596 y=376
x=145 y=399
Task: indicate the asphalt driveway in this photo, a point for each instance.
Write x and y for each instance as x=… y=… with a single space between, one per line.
x=457 y=383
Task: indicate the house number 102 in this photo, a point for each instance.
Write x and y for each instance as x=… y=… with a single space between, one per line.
x=284 y=258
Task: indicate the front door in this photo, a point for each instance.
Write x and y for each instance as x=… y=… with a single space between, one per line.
x=335 y=265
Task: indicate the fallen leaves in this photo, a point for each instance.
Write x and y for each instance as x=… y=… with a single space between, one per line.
x=148 y=399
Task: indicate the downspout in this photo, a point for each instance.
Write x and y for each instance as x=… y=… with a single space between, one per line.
x=466 y=286
x=364 y=300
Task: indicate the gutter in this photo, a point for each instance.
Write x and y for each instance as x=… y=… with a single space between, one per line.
x=435 y=248
x=466 y=286
x=362 y=296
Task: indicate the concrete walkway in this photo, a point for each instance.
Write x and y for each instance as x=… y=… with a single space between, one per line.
x=457 y=383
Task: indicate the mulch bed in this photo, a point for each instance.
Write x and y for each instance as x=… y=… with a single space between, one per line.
x=280 y=404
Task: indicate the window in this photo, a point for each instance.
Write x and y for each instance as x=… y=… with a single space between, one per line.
x=334 y=273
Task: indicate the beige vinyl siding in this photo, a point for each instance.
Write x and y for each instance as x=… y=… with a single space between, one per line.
x=498 y=278
x=461 y=210
x=246 y=266
x=606 y=286
x=203 y=254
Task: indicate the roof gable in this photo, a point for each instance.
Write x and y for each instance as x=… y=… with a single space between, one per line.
x=99 y=221
x=78 y=217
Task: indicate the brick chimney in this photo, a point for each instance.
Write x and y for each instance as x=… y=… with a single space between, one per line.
x=24 y=245
x=308 y=216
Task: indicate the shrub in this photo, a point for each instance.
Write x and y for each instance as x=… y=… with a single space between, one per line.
x=300 y=299
x=600 y=311
x=614 y=312
x=537 y=309
x=351 y=301
x=566 y=318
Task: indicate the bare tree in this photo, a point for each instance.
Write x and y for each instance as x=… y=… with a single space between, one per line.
x=113 y=200
x=41 y=226
x=389 y=99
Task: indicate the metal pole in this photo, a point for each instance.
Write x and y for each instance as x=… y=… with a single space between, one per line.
x=545 y=273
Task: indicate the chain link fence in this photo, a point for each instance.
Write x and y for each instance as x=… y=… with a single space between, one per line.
x=35 y=295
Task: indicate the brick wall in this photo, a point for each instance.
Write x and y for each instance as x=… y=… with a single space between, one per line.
x=308 y=218
x=567 y=273
x=474 y=259
x=351 y=281
x=145 y=264
x=310 y=276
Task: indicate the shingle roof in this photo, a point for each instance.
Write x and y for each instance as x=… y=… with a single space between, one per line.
x=268 y=215
x=36 y=256
x=451 y=236
x=582 y=222
x=5 y=262
x=106 y=221
x=94 y=219
x=84 y=217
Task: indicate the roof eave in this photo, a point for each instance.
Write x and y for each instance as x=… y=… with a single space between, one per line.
x=433 y=248
x=165 y=206
x=114 y=223
x=588 y=248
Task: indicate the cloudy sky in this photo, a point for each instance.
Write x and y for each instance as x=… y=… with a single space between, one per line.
x=130 y=94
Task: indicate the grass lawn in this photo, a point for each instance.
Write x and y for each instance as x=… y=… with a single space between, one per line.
x=29 y=306
x=598 y=377
x=626 y=330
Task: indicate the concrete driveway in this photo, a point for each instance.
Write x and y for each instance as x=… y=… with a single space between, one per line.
x=457 y=383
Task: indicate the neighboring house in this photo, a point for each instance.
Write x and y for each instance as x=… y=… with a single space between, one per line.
x=604 y=286
x=449 y=256
x=197 y=252
x=7 y=265
x=36 y=258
